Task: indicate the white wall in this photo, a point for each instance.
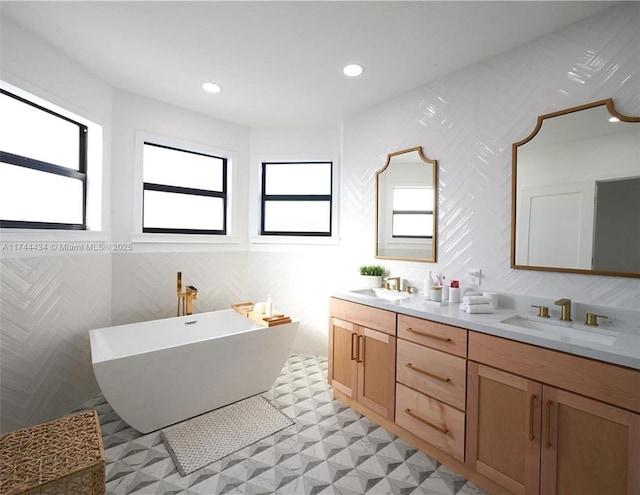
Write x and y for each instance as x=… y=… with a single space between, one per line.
x=134 y=114
x=297 y=277
x=144 y=280
x=49 y=300
x=467 y=121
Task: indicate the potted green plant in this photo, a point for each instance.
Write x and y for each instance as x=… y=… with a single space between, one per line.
x=371 y=276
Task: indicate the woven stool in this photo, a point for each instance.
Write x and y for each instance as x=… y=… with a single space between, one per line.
x=63 y=457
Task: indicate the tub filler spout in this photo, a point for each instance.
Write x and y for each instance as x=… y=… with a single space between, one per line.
x=186 y=298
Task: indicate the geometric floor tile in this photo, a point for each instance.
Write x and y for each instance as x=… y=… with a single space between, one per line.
x=331 y=449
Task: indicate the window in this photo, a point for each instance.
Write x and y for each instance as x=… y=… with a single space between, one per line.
x=412 y=215
x=43 y=166
x=297 y=198
x=184 y=191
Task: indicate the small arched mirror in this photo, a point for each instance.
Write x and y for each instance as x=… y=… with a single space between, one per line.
x=576 y=193
x=406 y=207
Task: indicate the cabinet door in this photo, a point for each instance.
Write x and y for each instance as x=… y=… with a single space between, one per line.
x=503 y=428
x=343 y=367
x=588 y=447
x=376 y=356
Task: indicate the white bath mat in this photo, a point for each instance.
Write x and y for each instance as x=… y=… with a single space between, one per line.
x=199 y=441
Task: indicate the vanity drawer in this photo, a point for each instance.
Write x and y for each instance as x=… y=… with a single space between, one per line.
x=432 y=372
x=366 y=316
x=432 y=334
x=433 y=421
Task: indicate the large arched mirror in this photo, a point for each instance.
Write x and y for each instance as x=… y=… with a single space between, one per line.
x=406 y=207
x=576 y=193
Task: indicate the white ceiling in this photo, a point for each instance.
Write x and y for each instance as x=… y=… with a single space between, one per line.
x=280 y=63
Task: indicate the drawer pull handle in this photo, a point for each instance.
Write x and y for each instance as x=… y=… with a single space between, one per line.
x=360 y=348
x=532 y=404
x=547 y=424
x=353 y=347
x=437 y=337
x=428 y=423
x=425 y=372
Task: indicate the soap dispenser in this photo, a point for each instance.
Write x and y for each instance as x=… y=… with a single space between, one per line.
x=268 y=311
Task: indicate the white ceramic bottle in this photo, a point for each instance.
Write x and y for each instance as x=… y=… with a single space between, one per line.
x=268 y=310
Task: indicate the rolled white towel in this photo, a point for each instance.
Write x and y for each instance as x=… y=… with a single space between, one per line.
x=476 y=300
x=477 y=308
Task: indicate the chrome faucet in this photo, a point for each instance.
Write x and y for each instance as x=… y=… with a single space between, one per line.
x=565 y=305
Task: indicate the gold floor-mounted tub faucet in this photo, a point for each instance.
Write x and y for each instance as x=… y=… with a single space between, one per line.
x=185 y=299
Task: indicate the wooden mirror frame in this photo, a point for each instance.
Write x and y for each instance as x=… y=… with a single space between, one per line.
x=608 y=104
x=434 y=165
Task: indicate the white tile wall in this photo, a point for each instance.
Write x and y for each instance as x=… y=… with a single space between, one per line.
x=47 y=307
x=468 y=121
x=144 y=284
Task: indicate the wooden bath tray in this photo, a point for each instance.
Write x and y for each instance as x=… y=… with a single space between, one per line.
x=243 y=308
x=246 y=309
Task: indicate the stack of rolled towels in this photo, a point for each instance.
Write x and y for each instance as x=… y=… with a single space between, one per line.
x=477 y=304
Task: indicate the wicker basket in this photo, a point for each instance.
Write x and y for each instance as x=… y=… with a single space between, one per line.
x=64 y=456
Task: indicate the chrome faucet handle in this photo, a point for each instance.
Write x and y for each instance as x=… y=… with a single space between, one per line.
x=543 y=311
x=592 y=319
x=565 y=305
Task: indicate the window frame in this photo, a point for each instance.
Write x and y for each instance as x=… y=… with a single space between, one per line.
x=50 y=168
x=148 y=186
x=137 y=235
x=395 y=213
x=264 y=197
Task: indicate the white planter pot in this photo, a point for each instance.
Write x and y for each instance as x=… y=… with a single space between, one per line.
x=370 y=281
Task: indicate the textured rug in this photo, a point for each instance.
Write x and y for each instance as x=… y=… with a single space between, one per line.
x=199 y=441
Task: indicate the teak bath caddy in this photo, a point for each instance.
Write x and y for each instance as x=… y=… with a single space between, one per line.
x=246 y=309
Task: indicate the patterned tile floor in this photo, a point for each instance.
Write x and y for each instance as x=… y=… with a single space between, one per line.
x=331 y=449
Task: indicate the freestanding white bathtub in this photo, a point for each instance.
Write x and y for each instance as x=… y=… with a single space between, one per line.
x=161 y=372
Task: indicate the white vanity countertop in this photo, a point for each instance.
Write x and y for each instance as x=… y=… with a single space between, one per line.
x=624 y=351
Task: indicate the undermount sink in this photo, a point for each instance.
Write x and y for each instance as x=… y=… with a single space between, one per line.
x=386 y=294
x=563 y=331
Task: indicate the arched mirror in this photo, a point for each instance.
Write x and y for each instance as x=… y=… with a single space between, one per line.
x=406 y=207
x=576 y=193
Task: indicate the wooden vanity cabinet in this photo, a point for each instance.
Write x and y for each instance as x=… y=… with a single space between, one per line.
x=533 y=437
x=362 y=359
x=431 y=375
x=509 y=416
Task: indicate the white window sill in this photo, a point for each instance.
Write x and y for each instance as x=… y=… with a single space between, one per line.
x=295 y=240
x=182 y=239
x=52 y=235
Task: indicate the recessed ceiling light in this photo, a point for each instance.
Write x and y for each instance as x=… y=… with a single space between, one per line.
x=210 y=87
x=614 y=119
x=352 y=70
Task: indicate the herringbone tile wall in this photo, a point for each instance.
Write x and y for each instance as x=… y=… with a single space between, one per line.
x=144 y=284
x=467 y=121
x=47 y=307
